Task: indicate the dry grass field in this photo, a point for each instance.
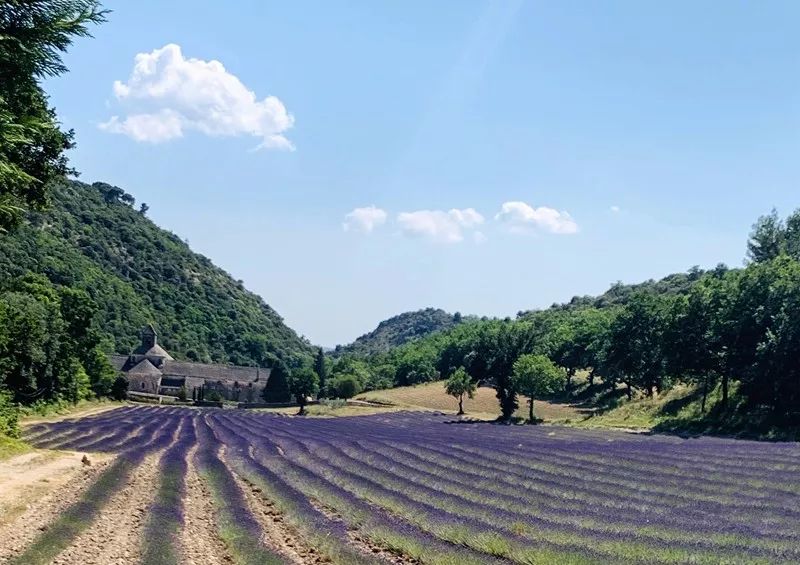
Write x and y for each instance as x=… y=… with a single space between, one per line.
x=431 y=396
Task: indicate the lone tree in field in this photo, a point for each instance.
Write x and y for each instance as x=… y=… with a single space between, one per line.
x=304 y=383
x=459 y=384
x=536 y=375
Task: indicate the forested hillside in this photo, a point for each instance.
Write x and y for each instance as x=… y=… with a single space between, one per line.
x=93 y=238
x=730 y=335
x=400 y=329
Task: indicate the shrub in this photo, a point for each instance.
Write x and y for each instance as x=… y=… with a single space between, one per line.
x=119 y=390
x=345 y=386
x=9 y=415
x=182 y=393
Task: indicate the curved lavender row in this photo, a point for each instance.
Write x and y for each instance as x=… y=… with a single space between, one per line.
x=666 y=449
x=80 y=515
x=649 y=491
x=736 y=452
x=107 y=437
x=587 y=518
x=267 y=456
x=236 y=524
x=437 y=519
x=485 y=517
x=237 y=449
x=641 y=494
x=336 y=426
x=165 y=518
x=65 y=430
x=39 y=431
x=85 y=432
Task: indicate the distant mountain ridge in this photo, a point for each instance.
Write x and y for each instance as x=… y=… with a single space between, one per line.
x=93 y=238
x=401 y=329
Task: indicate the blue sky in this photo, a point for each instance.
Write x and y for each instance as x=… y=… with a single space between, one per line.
x=353 y=160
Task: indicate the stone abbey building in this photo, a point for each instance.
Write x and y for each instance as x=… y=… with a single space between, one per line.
x=150 y=369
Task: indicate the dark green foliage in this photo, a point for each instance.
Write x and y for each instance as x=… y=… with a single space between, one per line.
x=535 y=376
x=401 y=329
x=9 y=415
x=304 y=384
x=322 y=371
x=344 y=386
x=733 y=328
x=458 y=385
x=772 y=237
x=277 y=389
x=91 y=241
x=49 y=350
x=33 y=36
x=119 y=390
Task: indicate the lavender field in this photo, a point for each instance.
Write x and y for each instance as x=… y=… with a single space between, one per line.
x=421 y=488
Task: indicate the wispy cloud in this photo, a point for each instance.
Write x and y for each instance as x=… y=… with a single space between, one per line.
x=522 y=217
x=364 y=220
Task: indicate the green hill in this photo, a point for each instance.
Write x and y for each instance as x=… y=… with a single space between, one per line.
x=401 y=329
x=92 y=238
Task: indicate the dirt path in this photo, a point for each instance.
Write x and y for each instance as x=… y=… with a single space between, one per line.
x=35 y=488
x=199 y=540
x=115 y=536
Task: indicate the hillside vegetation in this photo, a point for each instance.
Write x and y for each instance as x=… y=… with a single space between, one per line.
x=728 y=336
x=92 y=239
x=401 y=329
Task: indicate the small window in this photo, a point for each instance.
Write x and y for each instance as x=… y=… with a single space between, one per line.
x=142 y=386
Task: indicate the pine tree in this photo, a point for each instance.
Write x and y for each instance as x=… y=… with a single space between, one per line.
x=277 y=389
x=319 y=367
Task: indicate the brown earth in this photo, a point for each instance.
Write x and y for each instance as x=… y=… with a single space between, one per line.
x=201 y=545
x=35 y=488
x=116 y=534
x=277 y=534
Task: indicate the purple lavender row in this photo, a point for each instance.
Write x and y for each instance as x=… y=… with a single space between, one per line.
x=625 y=526
x=278 y=468
x=478 y=515
x=467 y=460
x=429 y=511
x=589 y=470
x=166 y=516
x=732 y=451
x=236 y=524
x=547 y=499
x=238 y=450
x=339 y=430
x=65 y=429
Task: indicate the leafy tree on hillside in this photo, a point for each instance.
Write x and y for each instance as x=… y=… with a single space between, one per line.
x=344 y=386
x=304 y=384
x=498 y=346
x=33 y=36
x=771 y=237
x=458 y=385
x=536 y=376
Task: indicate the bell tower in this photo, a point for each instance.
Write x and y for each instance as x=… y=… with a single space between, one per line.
x=149 y=337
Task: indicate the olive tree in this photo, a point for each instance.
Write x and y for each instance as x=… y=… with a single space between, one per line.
x=535 y=376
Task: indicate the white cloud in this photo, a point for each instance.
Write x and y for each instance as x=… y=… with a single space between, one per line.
x=438 y=225
x=522 y=217
x=364 y=219
x=168 y=95
x=615 y=209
